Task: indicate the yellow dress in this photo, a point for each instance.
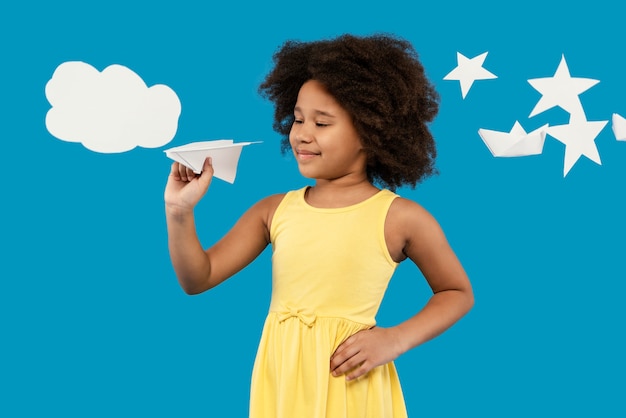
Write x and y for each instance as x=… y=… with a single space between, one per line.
x=331 y=268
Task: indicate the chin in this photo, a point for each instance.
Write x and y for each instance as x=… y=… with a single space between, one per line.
x=307 y=174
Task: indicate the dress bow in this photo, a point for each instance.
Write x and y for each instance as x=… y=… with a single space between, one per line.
x=307 y=318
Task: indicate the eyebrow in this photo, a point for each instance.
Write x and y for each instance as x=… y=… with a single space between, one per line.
x=317 y=112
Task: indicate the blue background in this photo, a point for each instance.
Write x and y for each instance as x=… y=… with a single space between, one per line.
x=93 y=322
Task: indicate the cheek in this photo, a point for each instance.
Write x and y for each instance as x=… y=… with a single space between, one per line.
x=292 y=135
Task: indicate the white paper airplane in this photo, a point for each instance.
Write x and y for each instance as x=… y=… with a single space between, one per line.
x=223 y=152
x=619 y=127
x=516 y=143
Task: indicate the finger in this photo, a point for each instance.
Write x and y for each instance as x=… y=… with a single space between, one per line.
x=182 y=172
x=339 y=356
x=174 y=171
x=360 y=371
x=208 y=165
x=345 y=350
x=346 y=362
x=348 y=367
x=185 y=173
x=190 y=174
x=207 y=173
x=343 y=346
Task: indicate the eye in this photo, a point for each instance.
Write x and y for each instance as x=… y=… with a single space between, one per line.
x=297 y=121
x=320 y=124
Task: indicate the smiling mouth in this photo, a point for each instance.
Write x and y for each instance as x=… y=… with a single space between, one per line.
x=306 y=155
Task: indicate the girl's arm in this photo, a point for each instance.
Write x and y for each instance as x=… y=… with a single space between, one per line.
x=424 y=242
x=411 y=232
x=198 y=269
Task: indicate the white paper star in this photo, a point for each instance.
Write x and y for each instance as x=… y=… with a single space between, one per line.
x=619 y=127
x=561 y=90
x=579 y=138
x=469 y=70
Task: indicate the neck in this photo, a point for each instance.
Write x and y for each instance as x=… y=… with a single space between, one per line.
x=329 y=193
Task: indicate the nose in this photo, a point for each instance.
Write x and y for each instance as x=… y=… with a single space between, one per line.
x=301 y=133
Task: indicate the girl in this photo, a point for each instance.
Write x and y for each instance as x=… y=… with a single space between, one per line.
x=353 y=110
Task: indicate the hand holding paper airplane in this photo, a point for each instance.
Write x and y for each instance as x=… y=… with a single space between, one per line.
x=224 y=153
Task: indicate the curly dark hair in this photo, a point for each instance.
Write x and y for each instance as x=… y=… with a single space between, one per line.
x=381 y=83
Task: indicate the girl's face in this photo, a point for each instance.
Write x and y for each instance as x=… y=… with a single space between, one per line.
x=323 y=138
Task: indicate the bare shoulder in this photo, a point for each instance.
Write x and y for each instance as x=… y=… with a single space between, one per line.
x=405 y=212
x=270 y=203
x=408 y=226
x=266 y=207
x=251 y=231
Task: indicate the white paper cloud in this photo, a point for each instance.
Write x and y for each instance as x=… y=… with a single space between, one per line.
x=109 y=111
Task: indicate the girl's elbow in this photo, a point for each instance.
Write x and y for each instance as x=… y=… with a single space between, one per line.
x=191 y=291
x=469 y=300
x=193 y=287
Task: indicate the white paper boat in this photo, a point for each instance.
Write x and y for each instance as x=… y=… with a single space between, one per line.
x=223 y=152
x=619 y=127
x=516 y=143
